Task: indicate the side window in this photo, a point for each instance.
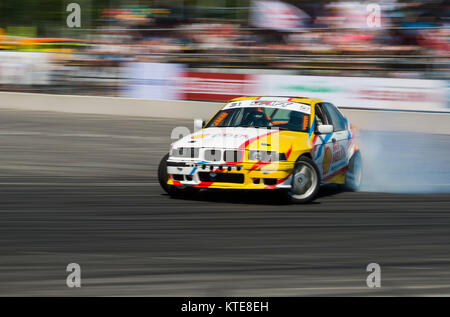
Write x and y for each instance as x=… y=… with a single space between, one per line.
x=320 y=115
x=336 y=117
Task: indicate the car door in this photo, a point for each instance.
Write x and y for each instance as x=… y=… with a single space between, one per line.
x=329 y=151
x=322 y=147
x=339 y=139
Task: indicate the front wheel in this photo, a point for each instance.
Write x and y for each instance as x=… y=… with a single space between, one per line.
x=305 y=181
x=172 y=190
x=353 y=176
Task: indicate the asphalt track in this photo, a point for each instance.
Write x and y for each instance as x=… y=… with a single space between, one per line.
x=83 y=188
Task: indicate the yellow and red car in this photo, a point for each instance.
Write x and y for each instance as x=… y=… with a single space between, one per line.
x=285 y=143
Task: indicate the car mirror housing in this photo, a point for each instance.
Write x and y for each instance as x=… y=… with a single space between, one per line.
x=325 y=128
x=198 y=124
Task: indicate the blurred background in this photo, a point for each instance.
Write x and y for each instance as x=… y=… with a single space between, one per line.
x=388 y=54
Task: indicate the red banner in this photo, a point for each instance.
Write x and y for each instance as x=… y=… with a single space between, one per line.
x=215 y=86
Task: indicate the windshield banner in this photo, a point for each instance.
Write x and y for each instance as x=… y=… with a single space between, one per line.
x=278 y=103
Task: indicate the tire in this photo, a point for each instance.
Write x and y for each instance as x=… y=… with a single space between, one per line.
x=172 y=190
x=353 y=176
x=305 y=181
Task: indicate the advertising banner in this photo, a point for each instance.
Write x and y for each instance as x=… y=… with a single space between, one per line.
x=360 y=92
x=216 y=86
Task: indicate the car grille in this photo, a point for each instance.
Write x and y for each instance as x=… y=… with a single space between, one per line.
x=209 y=155
x=213 y=155
x=232 y=156
x=186 y=152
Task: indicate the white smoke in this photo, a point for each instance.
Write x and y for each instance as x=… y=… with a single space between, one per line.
x=404 y=162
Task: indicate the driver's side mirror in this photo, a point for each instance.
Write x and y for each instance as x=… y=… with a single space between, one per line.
x=198 y=124
x=325 y=128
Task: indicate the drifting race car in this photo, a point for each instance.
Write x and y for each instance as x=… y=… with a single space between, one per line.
x=273 y=143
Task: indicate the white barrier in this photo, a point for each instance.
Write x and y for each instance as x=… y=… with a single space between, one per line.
x=421 y=122
x=438 y=123
x=175 y=109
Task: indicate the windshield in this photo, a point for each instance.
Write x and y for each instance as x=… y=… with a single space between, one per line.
x=283 y=115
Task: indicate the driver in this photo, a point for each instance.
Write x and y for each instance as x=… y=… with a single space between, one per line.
x=256 y=117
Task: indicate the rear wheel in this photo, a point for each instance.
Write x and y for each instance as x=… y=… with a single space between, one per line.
x=353 y=176
x=305 y=181
x=172 y=190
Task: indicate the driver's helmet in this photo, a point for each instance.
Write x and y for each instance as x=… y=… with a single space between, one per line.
x=254 y=115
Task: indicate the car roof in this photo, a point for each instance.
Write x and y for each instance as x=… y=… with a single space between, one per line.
x=307 y=100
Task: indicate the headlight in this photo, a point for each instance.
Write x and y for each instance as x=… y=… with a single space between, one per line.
x=185 y=152
x=266 y=156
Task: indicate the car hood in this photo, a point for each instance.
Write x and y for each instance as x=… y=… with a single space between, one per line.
x=244 y=138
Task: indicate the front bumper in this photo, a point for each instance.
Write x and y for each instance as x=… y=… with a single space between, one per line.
x=248 y=175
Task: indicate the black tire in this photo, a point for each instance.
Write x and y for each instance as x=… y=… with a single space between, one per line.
x=305 y=177
x=353 y=176
x=163 y=177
